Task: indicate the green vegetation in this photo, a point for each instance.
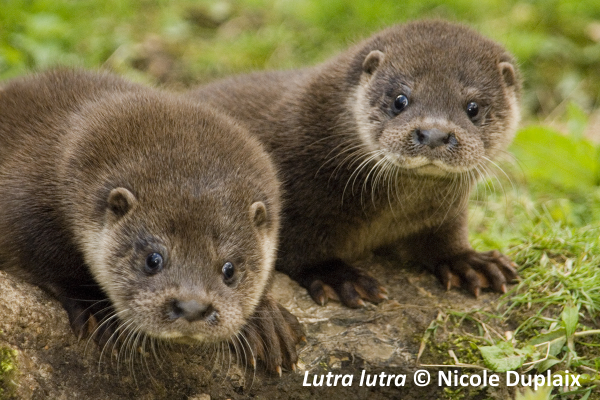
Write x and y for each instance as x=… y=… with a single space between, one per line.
x=8 y=372
x=542 y=207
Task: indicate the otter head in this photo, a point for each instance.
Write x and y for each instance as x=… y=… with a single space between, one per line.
x=178 y=215
x=435 y=98
x=182 y=266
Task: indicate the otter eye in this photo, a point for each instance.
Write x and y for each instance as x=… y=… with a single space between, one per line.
x=472 y=109
x=154 y=263
x=400 y=103
x=228 y=271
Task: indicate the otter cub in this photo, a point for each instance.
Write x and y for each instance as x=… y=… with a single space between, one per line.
x=380 y=147
x=135 y=205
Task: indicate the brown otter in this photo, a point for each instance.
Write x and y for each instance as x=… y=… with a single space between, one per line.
x=380 y=147
x=140 y=206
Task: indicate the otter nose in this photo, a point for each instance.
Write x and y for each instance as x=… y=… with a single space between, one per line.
x=433 y=137
x=191 y=310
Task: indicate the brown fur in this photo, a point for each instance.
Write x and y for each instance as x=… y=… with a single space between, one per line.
x=356 y=177
x=97 y=173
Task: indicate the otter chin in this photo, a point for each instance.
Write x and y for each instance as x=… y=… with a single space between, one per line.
x=381 y=146
x=142 y=212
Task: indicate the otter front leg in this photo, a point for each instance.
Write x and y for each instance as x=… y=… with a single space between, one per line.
x=447 y=251
x=270 y=335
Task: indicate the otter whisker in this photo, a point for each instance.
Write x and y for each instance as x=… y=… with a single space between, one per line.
x=241 y=333
x=348 y=145
x=389 y=181
x=124 y=330
x=112 y=319
x=503 y=172
x=241 y=354
x=138 y=349
x=144 y=357
x=373 y=169
x=371 y=156
x=233 y=345
x=351 y=158
x=155 y=354
x=217 y=353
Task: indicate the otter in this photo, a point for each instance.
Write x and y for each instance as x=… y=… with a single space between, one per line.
x=142 y=212
x=380 y=147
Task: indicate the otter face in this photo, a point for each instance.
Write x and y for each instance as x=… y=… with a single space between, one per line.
x=194 y=271
x=436 y=98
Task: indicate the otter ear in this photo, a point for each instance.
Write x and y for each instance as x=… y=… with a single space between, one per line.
x=372 y=61
x=258 y=213
x=121 y=201
x=508 y=73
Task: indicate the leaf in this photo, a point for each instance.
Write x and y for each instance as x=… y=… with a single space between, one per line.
x=570 y=318
x=542 y=393
x=563 y=161
x=556 y=345
x=547 y=364
x=548 y=337
x=587 y=395
x=555 y=340
x=502 y=357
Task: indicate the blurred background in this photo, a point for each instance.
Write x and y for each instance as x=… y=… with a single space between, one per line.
x=181 y=42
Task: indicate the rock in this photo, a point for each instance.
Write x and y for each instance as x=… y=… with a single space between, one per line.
x=52 y=363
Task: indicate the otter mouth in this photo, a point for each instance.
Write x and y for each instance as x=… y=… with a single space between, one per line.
x=432 y=169
x=425 y=166
x=437 y=167
x=192 y=338
x=197 y=339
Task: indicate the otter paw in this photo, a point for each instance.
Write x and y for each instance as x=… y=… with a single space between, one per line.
x=337 y=280
x=81 y=319
x=90 y=320
x=474 y=271
x=270 y=335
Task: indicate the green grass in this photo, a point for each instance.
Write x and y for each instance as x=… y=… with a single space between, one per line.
x=544 y=211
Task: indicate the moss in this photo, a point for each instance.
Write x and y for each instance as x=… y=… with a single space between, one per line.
x=454 y=394
x=8 y=372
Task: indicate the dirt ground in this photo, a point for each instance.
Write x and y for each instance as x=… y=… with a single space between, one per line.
x=53 y=364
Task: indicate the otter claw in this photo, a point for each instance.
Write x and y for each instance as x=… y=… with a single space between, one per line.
x=475 y=271
x=337 y=280
x=272 y=334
